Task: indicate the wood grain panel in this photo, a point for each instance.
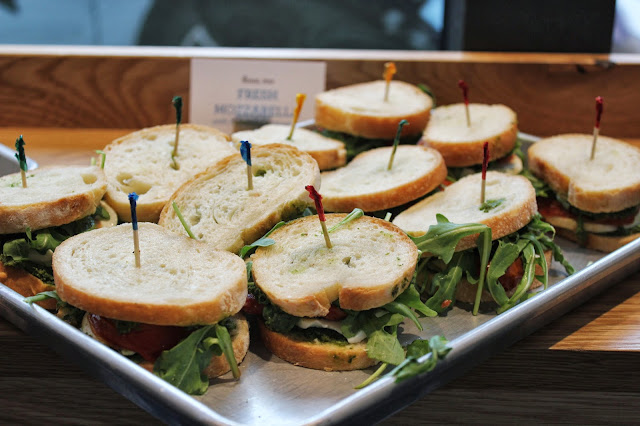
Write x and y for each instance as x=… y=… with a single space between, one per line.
x=109 y=88
x=68 y=91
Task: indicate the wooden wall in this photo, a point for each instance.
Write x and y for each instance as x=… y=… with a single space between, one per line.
x=91 y=87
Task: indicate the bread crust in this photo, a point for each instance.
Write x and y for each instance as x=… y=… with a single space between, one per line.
x=381 y=199
x=328 y=153
x=156 y=196
x=469 y=152
x=573 y=177
x=332 y=115
x=599 y=242
x=318 y=356
x=466 y=292
x=310 y=293
x=42 y=211
x=224 y=296
x=25 y=284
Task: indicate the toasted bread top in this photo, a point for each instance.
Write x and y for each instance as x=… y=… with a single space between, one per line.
x=461 y=145
x=329 y=153
x=460 y=203
x=180 y=281
x=141 y=162
x=608 y=183
x=370 y=264
x=360 y=109
x=366 y=183
x=54 y=196
x=220 y=209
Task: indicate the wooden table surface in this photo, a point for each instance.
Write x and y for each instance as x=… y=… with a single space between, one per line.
x=578 y=369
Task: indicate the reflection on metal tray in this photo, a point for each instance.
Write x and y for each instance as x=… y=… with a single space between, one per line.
x=272 y=391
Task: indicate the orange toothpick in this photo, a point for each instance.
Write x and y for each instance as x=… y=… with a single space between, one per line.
x=300 y=97
x=389 y=71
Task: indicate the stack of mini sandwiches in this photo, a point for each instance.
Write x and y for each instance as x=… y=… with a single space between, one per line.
x=225 y=232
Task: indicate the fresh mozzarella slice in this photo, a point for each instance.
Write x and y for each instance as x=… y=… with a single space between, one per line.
x=305 y=323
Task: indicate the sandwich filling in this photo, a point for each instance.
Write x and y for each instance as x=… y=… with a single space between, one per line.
x=33 y=250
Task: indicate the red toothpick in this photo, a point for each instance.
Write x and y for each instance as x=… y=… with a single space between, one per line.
x=485 y=163
x=317 y=199
x=596 y=128
x=465 y=95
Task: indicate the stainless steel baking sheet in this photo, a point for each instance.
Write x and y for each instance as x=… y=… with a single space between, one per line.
x=273 y=391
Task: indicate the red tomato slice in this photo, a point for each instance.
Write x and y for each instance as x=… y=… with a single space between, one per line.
x=146 y=339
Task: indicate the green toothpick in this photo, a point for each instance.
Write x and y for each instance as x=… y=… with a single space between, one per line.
x=401 y=124
x=177 y=104
x=22 y=160
x=182 y=221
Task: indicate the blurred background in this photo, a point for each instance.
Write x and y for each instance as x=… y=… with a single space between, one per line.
x=491 y=25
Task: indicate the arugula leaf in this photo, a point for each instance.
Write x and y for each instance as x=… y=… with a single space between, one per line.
x=355 y=214
x=444 y=285
x=505 y=255
x=540 y=186
x=183 y=365
x=426 y=89
x=528 y=254
x=385 y=347
x=262 y=242
x=224 y=341
x=277 y=319
x=441 y=239
x=489 y=205
x=45 y=295
x=411 y=298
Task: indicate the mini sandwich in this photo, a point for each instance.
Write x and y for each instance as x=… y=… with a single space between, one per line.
x=461 y=144
x=329 y=153
x=368 y=183
x=219 y=208
x=176 y=314
x=360 y=116
x=518 y=257
x=335 y=308
x=143 y=162
x=593 y=201
x=58 y=203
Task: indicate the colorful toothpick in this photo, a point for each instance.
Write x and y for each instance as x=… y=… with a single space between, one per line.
x=22 y=160
x=300 y=97
x=245 y=152
x=317 y=199
x=596 y=128
x=177 y=104
x=401 y=124
x=485 y=163
x=133 y=197
x=389 y=71
x=465 y=95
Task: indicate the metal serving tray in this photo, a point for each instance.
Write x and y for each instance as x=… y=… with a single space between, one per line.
x=273 y=391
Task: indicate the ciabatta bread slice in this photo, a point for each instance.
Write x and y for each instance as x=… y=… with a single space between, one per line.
x=54 y=196
x=371 y=262
x=181 y=281
x=361 y=110
x=141 y=162
x=329 y=153
x=608 y=183
x=367 y=184
x=460 y=203
x=221 y=211
x=461 y=145
x=317 y=355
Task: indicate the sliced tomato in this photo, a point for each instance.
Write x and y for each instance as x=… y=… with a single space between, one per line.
x=512 y=275
x=146 y=339
x=335 y=314
x=251 y=305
